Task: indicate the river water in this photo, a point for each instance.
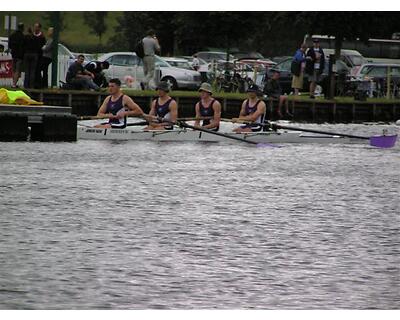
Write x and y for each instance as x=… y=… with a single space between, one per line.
x=143 y=225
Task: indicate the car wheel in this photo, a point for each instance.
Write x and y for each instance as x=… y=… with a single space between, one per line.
x=171 y=81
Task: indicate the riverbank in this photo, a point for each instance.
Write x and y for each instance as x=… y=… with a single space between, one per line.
x=338 y=110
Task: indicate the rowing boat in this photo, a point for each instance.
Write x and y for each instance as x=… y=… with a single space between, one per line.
x=184 y=134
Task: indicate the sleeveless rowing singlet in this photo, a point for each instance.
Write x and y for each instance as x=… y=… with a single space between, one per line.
x=162 y=110
x=207 y=112
x=250 y=110
x=115 y=107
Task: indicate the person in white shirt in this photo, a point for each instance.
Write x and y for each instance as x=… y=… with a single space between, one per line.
x=196 y=63
x=315 y=65
x=150 y=47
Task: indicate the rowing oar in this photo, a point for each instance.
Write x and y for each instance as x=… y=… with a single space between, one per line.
x=261 y=145
x=383 y=141
x=107 y=117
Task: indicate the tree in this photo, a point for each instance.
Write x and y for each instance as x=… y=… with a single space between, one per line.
x=187 y=32
x=96 y=22
x=48 y=19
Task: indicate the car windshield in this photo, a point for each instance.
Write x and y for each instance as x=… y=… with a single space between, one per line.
x=284 y=65
x=161 y=63
x=180 y=64
x=357 y=60
x=380 y=71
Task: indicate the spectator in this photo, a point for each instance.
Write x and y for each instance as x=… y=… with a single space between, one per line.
x=274 y=90
x=39 y=41
x=298 y=66
x=315 y=66
x=30 y=59
x=196 y=63
x=47 y=50
x=79 y=78
x=16 y=44
x=97 y=67
x=150 y=46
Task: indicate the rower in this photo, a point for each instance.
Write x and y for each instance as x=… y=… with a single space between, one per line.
x=207 y=107
x=163 y=110
x=253 y=110
x=117 y=106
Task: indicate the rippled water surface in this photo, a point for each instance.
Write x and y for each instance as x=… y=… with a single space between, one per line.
x=138 y=225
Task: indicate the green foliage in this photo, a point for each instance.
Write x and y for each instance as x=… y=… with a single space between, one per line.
x=96 y=21
x=186 y=32
x=48 y=19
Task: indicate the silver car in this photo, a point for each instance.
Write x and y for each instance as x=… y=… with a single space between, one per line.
x=127 y=65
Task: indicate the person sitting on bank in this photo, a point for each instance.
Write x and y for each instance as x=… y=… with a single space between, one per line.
x=208 y=107
x=253 y=110
x=117 y=106
x=97 y=67
x=163 y=110
x=79 y=78
x=273 y=90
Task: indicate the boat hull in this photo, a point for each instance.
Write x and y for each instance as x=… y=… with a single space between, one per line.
x=87 y=133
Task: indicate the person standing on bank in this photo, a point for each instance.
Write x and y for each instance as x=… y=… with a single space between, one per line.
x=208 y=107
x=47 y=57
x=30 y=59
x=315 y=65
x=39 y=42
x=16 y=44
x=150 y=47
x=297 y=69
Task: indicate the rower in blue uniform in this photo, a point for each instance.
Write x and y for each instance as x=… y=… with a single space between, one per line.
x=207 y=107
x=117 y=106
x=253 y=110
x=163 y=110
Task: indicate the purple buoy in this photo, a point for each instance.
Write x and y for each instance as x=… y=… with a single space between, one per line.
x=383 y=141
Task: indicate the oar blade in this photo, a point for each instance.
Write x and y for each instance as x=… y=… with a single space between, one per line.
x=383 y=141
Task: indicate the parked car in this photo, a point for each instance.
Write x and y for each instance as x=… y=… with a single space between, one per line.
x=178 y=62
x=65 y=52
x=88 y=56
x=124 y=64
x=248 y=55
x=352 y=58
x=377 y=70
x=286 y=74
x=210 y=56
x=279 y=59
x=204 y=66
x=371 y=79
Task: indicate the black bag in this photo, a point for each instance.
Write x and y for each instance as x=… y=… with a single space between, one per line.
x=295 y=68
x=139 y=49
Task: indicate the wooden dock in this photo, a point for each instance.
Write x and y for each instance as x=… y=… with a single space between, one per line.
x=37 y=123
